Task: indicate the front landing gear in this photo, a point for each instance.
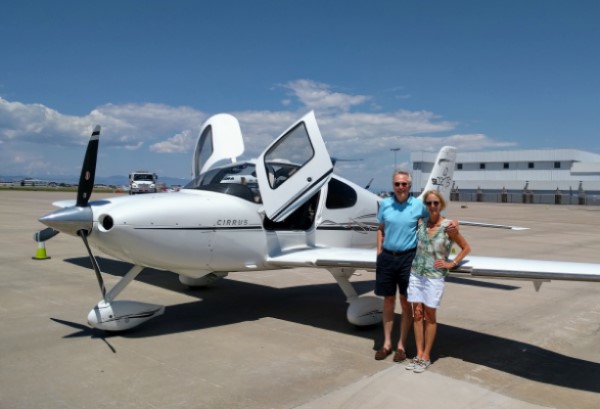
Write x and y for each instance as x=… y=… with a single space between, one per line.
x=110 y=315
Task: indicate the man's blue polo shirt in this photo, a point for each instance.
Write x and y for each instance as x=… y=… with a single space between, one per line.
x=400 y=222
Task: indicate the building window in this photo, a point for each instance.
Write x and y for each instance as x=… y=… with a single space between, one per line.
x=505 y=165
x=530 y=165
x=556 y=165
x=459 y=166
x=482 y=166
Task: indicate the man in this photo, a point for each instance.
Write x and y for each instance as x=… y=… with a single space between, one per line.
x=396 y=247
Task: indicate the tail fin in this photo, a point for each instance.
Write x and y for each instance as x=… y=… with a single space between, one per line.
x=441 y=175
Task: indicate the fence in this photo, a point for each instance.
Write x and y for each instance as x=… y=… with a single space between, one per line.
x=527 y=197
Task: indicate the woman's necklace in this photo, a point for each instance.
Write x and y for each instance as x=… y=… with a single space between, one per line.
x=435 y=223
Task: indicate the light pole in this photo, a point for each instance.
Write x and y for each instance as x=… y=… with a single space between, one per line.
x=395 y=150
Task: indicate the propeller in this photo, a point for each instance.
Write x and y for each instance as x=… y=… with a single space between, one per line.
x=45 y=234
x=88 y=170
x=334 y=160
x=83 y=235
x=79 y=219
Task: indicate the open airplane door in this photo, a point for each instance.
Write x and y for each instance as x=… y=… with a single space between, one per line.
x=220 y=138
x=293 y=168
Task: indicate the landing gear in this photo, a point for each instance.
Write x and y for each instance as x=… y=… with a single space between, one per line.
x=363 y=310
x=110 y=315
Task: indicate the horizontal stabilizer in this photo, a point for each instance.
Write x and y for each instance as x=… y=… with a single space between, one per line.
x=64 y=203
x=494 y=226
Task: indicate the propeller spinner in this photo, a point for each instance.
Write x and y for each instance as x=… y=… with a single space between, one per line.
x=79 y=219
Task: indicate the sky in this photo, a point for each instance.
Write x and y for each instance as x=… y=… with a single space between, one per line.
x=379 y=75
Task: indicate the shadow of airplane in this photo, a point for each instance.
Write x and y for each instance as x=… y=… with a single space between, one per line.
x=481 y=284
x=323 y=306
x=85 y=331
x=518 y=358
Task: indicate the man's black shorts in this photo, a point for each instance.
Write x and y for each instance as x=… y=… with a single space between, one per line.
x=393 y=272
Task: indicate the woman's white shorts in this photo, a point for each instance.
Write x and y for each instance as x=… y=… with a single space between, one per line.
x=428 y=291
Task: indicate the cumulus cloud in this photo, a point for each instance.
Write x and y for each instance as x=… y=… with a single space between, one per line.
x=180 y=143
x=320 y=97
x=349 y=124
x=37 y=123
x=129 y=126
x=475 y=142
x=25 y=162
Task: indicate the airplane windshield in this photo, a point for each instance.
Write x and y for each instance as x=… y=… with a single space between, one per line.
x=236 y=180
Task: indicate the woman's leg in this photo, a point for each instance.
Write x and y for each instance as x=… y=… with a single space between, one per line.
x=418 y=328
x=429 y=333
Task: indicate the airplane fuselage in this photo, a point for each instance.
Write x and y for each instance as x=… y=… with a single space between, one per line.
x=212 y=231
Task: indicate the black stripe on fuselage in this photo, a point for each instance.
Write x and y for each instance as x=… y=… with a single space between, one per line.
x=201 y=228
x=347 y=228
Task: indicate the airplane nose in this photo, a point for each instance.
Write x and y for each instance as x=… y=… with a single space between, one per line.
x=70 y=220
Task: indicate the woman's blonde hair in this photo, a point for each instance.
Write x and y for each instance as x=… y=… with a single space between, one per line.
x=438 y=195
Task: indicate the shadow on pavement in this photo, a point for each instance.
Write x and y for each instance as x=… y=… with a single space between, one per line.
x=323 y=306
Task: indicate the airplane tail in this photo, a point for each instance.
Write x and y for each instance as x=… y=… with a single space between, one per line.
x=441 y=175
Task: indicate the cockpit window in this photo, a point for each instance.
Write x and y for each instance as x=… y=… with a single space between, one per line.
x=340 y=195
x=278 y=172
x=289 y=154
x=237 y=180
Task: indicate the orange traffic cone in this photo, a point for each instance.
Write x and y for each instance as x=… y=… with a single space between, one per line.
x=41 y=252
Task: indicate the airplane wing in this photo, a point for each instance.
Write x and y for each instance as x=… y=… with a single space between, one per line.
x=327 y=257
x=498 y=267
x=476 y=267
x=494 y=226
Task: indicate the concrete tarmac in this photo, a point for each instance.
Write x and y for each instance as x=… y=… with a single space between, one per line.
x=280 y=339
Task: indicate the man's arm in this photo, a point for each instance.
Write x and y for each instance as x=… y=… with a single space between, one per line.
x=380 y=235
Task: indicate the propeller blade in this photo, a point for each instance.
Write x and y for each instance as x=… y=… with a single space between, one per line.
x=45 y=234
x=88 y=170
x=83 y=235
x=335 y=160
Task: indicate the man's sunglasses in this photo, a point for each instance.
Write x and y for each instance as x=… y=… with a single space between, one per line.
x=403 y=184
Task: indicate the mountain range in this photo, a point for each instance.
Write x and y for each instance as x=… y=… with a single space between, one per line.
x=116 y=180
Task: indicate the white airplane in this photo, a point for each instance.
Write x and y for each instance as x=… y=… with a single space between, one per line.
x=295 y=213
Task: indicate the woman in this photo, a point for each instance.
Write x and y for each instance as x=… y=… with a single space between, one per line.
x=430 y=266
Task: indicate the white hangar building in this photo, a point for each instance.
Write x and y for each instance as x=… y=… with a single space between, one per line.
x=542 y=170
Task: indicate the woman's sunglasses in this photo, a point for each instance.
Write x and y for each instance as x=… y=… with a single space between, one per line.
x=435 y=203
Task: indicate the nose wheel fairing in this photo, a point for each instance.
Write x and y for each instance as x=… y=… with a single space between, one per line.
x=122 y=315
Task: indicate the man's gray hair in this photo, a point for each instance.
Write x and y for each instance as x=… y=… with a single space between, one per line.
x=402 y=172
